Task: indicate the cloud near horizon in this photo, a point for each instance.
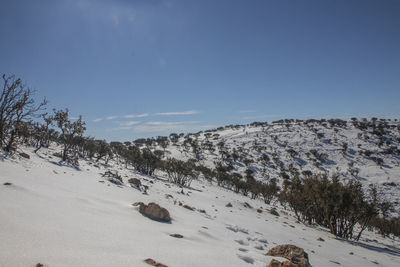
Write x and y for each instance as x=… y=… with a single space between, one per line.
x=189 y=112
x=170 y=123
x=130 y=116
x=143 y=115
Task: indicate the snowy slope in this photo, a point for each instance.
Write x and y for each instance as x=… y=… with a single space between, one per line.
x=318 y=147
x=61 y=216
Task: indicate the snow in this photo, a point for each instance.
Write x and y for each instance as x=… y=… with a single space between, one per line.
x=62 y=216
x=254 y=141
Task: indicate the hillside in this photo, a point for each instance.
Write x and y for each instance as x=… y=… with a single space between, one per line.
x=59 y=215
x=365 y=150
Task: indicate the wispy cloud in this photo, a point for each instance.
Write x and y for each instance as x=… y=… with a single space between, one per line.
x=115 y=19
x=112 y=117
x=130 y=116
x=189 y=112
x=128 y=123
x=170 y=123
x=98 y=119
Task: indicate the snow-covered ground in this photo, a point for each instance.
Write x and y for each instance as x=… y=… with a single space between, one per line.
x=61 y=216
x=276 y=141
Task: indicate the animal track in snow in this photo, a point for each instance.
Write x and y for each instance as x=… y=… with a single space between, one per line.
x=236 y=229
x=242 y=242
x=246 y=258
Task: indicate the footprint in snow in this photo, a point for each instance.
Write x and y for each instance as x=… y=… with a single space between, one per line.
x=259 y=247
x=246 y=258
x=242 y=242
x=236 y=229
x=262 y=240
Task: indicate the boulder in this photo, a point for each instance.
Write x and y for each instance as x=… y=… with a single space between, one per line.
x=135 y=182
x=153 y=211
x=276 y=263
x=293 y=253
x=229 y=205
x=188 y=207
x=247 y=205
x=273 y=211
x=24 y=155
x=176 y=235
x=154 y=263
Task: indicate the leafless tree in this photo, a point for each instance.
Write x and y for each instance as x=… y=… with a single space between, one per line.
x=17 y=106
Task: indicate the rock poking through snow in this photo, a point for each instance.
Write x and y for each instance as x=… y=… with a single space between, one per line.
x=176 y=235
x=291 y=252
x=153 y=211
x=154 y=263
x=24 y=155
x=135 y=182
x=276 y=263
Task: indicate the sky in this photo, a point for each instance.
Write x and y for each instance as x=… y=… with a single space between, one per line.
x=145 y=68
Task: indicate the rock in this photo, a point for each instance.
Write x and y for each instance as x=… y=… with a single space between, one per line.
x=247 y=205
x=276 y=263
x=154 y=263
x=259 y=210
x=153 y=211
x=229 y=205
x=351 y=253
x=188 y=207
x=135 y=182
x=24 y=155
x=293 y=253
x=320 y=239
x=39 y=264
x=274 y=212
x=7 y=183
x=176 y=235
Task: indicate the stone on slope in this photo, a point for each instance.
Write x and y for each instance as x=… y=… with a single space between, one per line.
x=276 y=263
x=154 y=263
x=291 y=252
x=24 y=155
x=153 y=211
x=135 y=182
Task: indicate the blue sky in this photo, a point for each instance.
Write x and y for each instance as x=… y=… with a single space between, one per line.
x=145 y=68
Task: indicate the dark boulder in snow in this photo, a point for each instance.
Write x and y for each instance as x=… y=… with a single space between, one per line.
x=176 y=235
x=276 y=263
x=153 y=211
x=154 y=263
x=24 y=155
x=188 y=207
x=135 y=182
x=273 y=211
x=291 y=252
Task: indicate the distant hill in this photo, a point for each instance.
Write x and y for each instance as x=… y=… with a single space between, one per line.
x=367 y=150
